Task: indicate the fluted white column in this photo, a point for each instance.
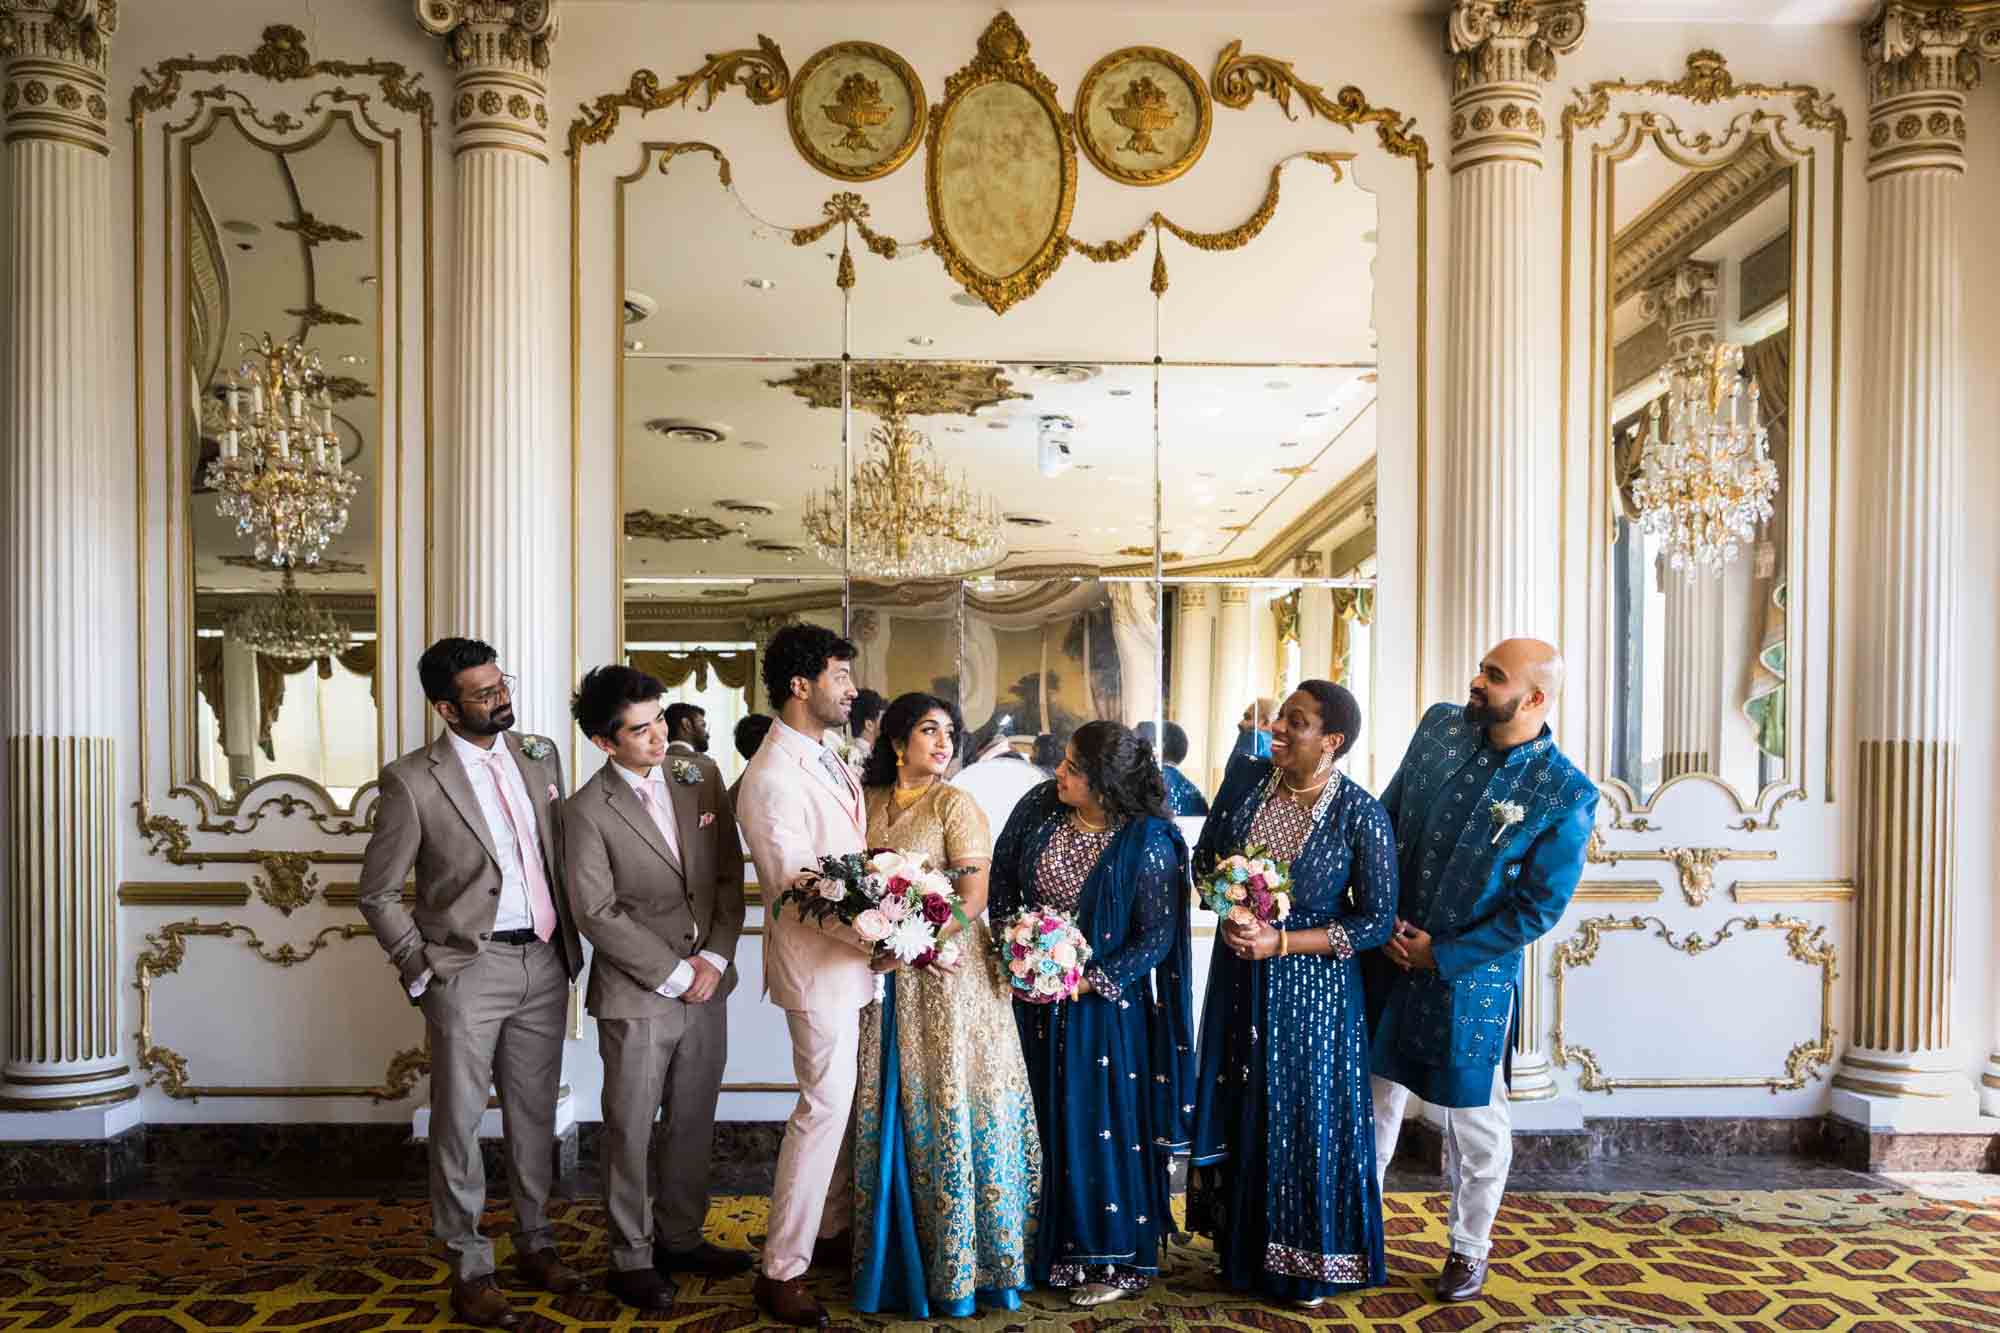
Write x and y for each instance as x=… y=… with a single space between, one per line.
x=1497 y=452
x=1316 y=631
x=1135 y=628
x=1194 y=647
x=1231 y=688
x=64 y=1049
x=502 y=482
x=1900 y=1067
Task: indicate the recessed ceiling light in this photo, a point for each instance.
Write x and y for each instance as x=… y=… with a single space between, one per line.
x=634 y=345
x=955 y=430
x=996 y=425
x=1288 y=444
x=754 y=446
x=968 y=300
x=760 y=284
x=368 y=280
x=242 y=227
x=921 y=340
x=1314 y=416
x=1277 y=384
x=1026 y=520
x=677 y=367
x=1121 y=393
x=1228 y=509
x=1250 y=492
x=1204 y=474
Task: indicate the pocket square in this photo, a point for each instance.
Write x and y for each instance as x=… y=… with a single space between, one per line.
x=552 y=791
x=707 y=818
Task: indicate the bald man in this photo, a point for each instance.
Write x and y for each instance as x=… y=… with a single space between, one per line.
x=1491 y=821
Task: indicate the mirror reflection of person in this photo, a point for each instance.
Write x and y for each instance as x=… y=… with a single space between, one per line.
x=687 y=729
x=750 y=733
x=655 y=879
x=1253 y=732
x=1184 y=799
x=488 y=953
x=864 y=723
x=1491 y=823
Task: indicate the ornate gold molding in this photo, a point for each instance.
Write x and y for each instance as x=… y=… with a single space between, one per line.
x=1804 y=943
x=1695 y=865
x=1144 y=111
x=184 y=893
x=1793 y=891
x=288 y=881
x=1238 y=78
x=762 y=75
x=1706 y=81
x=1616 y=891
x=168 y=1069
x=220 y=816
x=282 y=57
x=170 y=840
x=1702 y=206
x=857 y=107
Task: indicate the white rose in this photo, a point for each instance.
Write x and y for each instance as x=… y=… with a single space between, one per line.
x=832 y=890
x=872 y=926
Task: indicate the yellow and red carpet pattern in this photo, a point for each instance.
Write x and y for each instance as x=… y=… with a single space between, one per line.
x=1885 y=1262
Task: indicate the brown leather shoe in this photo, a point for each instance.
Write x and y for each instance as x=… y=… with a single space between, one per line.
x=1463 y=1278
x=706 y=1259
x=477 y=1301
x=640 y=1288
x=789 y=1302
x=834 y=1251
x=545 y=1269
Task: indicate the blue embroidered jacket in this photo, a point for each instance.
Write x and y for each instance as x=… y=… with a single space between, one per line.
x=1483 y=887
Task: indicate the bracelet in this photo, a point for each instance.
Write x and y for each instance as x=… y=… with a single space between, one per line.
x=1284 y=942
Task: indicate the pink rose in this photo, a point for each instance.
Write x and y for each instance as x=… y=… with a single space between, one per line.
x=832 y=890
x=895 y=909
x=1241 y=916
x=1064 y=955
x=1020 y=951
x=1256 y=883
x=1050 y=924
x=872 y=926
x=1020 y=967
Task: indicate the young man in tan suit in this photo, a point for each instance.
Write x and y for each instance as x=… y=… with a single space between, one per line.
x=489 y=952
x=656 y=884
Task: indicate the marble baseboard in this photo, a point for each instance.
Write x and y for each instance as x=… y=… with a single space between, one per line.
x=1610 y=1138
x=90 y=1169
x=1859 y=1149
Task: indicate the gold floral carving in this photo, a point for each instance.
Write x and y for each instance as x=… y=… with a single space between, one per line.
x=315 y=314
x=167 y=1069
x=288 y=881
x=1695 y=865
x=878 y=87
x=1002 y=61
x=341 y=388
x=672 y=527
x=282 y=57
x=1706 y=81
x=1137 y=103
x=315 y=232
x=1804 y=943
x=1238 y=78
x=903 y=388
x=762 y=75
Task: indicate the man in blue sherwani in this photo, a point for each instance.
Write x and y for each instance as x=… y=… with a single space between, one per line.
x=1491 y=821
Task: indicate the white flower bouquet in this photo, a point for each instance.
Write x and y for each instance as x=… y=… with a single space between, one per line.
x=895 y=900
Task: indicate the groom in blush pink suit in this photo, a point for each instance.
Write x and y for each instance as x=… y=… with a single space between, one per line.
x=799 y=802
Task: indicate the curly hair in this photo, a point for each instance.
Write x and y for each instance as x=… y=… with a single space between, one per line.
x=1338 y=712
x=1121 y=770
x=899 y=720
x=801 y=650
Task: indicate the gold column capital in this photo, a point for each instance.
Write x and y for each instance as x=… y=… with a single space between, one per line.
x=56 y=54
x=1685 y=299
x=500 y=51
x=1503 y=51
x=1922 y=60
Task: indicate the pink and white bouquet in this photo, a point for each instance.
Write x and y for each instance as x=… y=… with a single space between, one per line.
x=1045 y=955
x=894 y=900
x=1249 y=887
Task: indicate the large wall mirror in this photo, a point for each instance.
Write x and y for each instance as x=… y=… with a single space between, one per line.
x=283 y=318
x=1705 y=290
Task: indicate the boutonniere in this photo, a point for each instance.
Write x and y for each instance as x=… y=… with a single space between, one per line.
x=687 y=773
x=1505 y=815
x=707 y=818
x=535 y=747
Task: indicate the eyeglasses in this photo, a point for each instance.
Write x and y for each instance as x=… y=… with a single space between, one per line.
x=493 y=694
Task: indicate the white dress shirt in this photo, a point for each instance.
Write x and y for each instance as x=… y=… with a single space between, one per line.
x=682 y=976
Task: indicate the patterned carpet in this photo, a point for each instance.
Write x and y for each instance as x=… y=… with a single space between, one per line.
x=1824 y=1259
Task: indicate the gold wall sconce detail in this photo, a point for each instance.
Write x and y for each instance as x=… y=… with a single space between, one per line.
x=1695 y=865
x=1804 y=943
x=167 y=1069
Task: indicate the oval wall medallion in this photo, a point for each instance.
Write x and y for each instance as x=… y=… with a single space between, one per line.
x=1144 y=115
x=1000 y=177
x=857 y=111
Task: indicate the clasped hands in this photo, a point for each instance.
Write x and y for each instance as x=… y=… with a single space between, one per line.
x=1410 y=948
x=1257 y=940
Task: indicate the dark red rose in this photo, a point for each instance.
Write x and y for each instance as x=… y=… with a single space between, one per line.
x=937 y=910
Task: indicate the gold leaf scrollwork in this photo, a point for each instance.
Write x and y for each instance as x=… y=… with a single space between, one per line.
x=167 y=1068
x=288 y=881
x=762 y=75
x=847 y=208
x=313 y=231
x=1694 y=865
x=165 y=836
x=282 y=57
x=1805 y=943
x=1238 y=78
x=1706 y=81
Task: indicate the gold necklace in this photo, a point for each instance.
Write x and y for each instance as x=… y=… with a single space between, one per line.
x=1303 y=791
x=1086 y=825
x=904 y=803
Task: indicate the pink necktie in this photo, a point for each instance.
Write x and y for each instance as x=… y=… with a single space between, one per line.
x=540 y=906
x=657 y=809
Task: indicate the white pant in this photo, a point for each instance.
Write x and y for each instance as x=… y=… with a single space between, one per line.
x=1478 y=1148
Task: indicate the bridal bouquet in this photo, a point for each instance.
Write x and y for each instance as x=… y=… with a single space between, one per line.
x=1045 y=955
x=1249 y=887
x=894 y=900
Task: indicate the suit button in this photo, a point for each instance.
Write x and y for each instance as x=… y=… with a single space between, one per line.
x=690 y=938
x=485 y=935
x=493 y=893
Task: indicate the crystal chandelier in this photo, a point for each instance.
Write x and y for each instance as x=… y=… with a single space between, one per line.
x=910 y=519
x=280 y=474
x=1704 y=486
x=290 y=625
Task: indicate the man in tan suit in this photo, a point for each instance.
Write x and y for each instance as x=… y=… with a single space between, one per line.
x=800 y=803
x=489 y=952
x=656 y=884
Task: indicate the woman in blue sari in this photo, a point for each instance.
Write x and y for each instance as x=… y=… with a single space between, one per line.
x=1112 y=1069
x=1284 y=1151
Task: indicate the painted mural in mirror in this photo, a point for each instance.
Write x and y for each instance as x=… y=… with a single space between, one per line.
x=1701 y=374
x=283 y=455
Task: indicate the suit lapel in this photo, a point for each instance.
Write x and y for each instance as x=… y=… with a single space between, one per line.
x=687 y=818
x=847 y=798
x=451 y=777
x=538 y=798
x=633 y=811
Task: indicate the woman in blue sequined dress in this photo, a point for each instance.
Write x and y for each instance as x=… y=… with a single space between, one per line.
x=1111 y=1069
x=1284 y=1151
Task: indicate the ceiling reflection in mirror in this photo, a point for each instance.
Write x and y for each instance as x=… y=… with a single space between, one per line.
x=1701 y=372
x=284 y=455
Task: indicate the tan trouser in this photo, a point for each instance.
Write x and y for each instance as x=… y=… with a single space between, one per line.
x=814 y=1192
x=1478 y=1149
x=498 y=1024
x=669 y=1066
